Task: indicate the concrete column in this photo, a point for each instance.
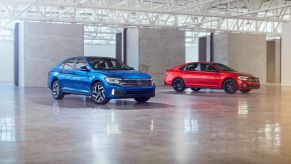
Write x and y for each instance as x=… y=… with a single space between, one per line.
x=118 y=46
x=155 y=50
x=206 y=48
x=274 y=61
x=202 y=48
x=278 y=61
x=242 y=52
x=286 y=54
x=42 y=46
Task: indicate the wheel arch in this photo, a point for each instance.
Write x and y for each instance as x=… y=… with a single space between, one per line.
x=228 y=78
x=53 y=80
x=178 y=77
x=95 y=81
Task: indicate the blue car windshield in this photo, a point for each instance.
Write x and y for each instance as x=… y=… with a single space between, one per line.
x=108 y=64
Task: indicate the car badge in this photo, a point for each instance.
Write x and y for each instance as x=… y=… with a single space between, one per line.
x=139 y=82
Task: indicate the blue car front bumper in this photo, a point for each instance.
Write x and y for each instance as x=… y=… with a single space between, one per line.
x=116 y=91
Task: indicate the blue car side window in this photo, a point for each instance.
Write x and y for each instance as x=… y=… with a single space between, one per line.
x=68 y=64
x=81 y=63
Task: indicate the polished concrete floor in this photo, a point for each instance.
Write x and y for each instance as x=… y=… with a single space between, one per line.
x=204 y=127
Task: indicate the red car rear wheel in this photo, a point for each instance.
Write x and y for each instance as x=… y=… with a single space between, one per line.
x=178 y=85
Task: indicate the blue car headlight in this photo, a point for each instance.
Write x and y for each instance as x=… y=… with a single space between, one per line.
x=152 y=79
x=112 y=80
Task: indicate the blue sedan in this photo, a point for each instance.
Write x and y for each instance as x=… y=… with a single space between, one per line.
x=101 y=78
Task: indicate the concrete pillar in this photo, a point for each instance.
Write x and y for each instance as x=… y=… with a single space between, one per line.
x=243 y=52
x=274 y=61
x=118 y=46
x=270 y=61
x=42 y=46
x=202 y=48
x=206 y=48
x=286 y=54
x=278 y=61
x=155 y=50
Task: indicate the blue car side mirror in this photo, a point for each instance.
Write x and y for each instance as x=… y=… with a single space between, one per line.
x=84 y=68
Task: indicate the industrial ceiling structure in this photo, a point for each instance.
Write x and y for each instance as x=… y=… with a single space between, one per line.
x=103 y=18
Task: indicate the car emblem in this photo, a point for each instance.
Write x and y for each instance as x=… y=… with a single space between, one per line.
x=139 y=82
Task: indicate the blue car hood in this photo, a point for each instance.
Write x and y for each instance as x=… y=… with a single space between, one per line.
x=125 y=74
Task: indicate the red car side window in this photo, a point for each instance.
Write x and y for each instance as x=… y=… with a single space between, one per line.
x=192 y=67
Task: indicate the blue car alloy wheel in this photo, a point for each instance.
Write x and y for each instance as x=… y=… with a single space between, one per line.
x=101 y=78
x=98 y=94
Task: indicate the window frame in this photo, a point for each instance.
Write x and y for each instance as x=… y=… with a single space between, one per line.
x=84 y=60
x=207 y=64
x=66 y=61
x=197 y=64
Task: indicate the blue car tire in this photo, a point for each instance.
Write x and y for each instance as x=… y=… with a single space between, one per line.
x=98 y=94
x=56 y=91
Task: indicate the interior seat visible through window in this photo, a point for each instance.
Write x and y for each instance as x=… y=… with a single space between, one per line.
x=192 y=67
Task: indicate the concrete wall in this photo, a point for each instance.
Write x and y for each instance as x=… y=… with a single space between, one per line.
x=220 y=48
x=248 y=54
x=99 y=50
x=157 y=51
x=6 y=61
x=243 y=52
x=286 y=54
x=43 y=46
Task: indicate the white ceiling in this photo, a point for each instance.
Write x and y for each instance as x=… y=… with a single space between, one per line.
x=103 y=18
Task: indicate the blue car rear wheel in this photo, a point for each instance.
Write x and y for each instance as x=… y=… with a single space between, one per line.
x=56 y=91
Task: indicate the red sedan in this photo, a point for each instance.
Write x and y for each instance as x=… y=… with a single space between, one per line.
x=199 y=75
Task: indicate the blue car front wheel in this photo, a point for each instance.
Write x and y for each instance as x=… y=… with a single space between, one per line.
x=98 y=94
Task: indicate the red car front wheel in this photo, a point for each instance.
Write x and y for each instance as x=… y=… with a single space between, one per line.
x=230 y=86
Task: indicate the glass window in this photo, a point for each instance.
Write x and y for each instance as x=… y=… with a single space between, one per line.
x=68 y=64
x=207 y=68
x=192 y=67
x=223 y=67
x=183 y=67
x=80 y=63
x=108 y=64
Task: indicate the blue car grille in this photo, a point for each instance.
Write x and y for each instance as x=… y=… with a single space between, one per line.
x=136 y=82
